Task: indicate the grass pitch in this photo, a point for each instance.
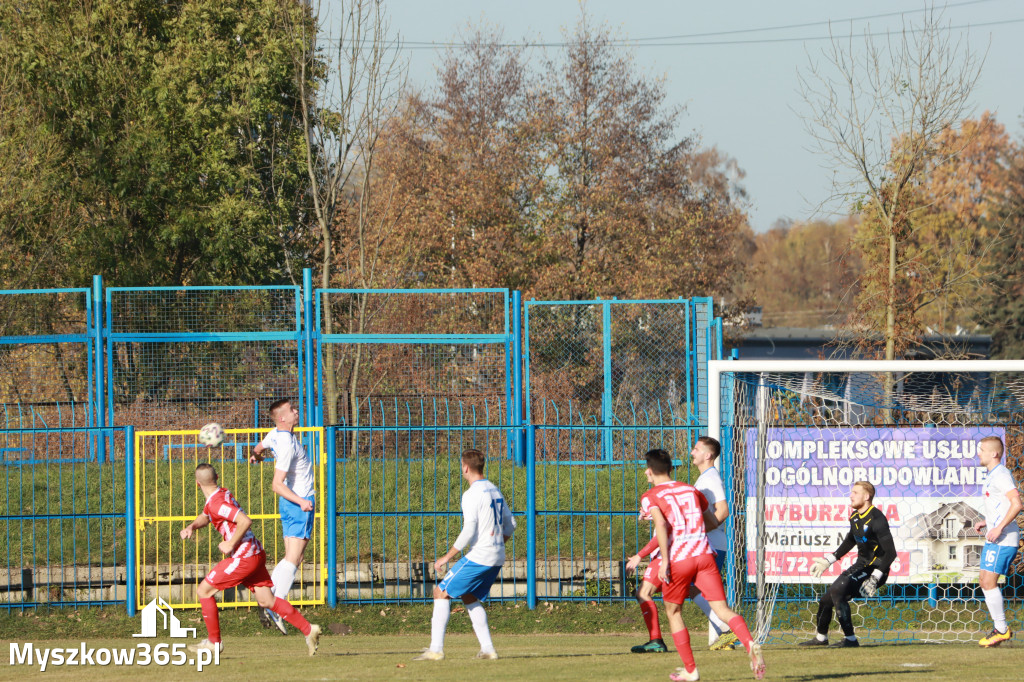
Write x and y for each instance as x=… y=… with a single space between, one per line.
x=542 y=657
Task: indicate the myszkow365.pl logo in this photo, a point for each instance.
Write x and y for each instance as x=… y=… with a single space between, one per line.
x=165 y=653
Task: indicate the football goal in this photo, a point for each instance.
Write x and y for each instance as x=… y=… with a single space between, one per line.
x=797 y=435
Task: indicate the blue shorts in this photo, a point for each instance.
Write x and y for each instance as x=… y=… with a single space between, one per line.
x=296 y=523
x=466 y=577
x=997 y=558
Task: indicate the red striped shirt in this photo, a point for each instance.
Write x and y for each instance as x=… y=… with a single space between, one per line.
x=683 y=507
x=222 y=509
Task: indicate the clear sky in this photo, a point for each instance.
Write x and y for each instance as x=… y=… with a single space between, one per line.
x=738 y=83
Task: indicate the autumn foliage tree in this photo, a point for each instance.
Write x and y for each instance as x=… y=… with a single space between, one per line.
x=565 y=181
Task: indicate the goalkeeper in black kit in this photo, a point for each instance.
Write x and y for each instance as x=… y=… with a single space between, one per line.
x=869 y=531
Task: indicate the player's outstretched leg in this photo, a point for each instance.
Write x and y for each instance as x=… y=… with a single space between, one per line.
x=265 y=598
x=739 y=626
x=681 y=637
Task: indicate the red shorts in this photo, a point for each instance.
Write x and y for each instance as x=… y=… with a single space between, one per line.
x=250 y=571
x=700 y=571
x=651 y=574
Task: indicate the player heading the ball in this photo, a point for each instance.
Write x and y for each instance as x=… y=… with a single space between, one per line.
x=293 y=483
x=869 y=531
x=1002 y=504
x=246 y=563
x=487 y=524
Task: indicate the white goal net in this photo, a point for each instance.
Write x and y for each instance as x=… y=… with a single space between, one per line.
x=796 y=435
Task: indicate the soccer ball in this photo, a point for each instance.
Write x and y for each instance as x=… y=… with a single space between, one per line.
x=211 y=435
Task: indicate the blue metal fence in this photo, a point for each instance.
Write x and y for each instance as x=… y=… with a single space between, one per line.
x=404 y=380
x=65 y=518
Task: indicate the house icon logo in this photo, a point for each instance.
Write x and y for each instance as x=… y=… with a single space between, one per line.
x=171 y=624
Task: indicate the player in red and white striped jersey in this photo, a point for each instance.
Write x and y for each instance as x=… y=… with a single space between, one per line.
x=246 y=562
x=681 y=516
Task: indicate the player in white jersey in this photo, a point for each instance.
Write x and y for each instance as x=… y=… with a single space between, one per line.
x=1002 y=504
x=487 y=524
x=704 y=453
x=293 y=483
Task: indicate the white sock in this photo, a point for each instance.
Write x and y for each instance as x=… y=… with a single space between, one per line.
x=717 y=624
x=821 y=638
x=478 y=616
x=852 y=638
x=283 y=578
x=994 y=601
x=438 y=624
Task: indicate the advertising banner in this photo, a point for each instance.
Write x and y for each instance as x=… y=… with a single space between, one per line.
x=927 y=482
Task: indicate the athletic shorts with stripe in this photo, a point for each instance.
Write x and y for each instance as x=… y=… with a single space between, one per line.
x=651 y=574
x=250 y=571
x=700 y=571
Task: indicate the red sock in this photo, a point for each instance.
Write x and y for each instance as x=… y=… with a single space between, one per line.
x=739 y=628
x=682 y=640
x=211 y=617
x=288 y=612
x=650 y=612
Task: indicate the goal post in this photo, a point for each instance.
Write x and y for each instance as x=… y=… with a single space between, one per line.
x=797 y=434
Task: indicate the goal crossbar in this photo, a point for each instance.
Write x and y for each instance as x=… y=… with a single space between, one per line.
x=718 y=367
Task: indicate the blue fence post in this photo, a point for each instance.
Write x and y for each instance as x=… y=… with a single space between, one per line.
x=99 y=399
x=129 y=517
x=331 y=514
x=531 y=517
x=606 y=399
x=307 y=339
x=518 y=436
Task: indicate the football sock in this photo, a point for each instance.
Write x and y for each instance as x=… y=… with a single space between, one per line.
x=211 y=618
x=739 y=628
x=438 y=623
x=820 y=637
x=852 y=638
x=719 y=624
x=478 y=616
x=283 y=578
x=650 y=613
x=288 y=612
x=994 y=601
x=682 y=640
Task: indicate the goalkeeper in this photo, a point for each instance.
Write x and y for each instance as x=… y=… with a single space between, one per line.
x=869 y=531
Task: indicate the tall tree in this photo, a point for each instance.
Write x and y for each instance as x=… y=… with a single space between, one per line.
x=564 y=179
x=1003 y=308
x=352 y=50
x=804 y=274
x=160 y=119
x=876 y=111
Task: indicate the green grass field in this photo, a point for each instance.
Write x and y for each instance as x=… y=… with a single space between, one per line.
x=544 y=657
x=556 y=642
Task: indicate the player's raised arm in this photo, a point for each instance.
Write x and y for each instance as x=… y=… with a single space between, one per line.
x=199 y=522
x=257 y=453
